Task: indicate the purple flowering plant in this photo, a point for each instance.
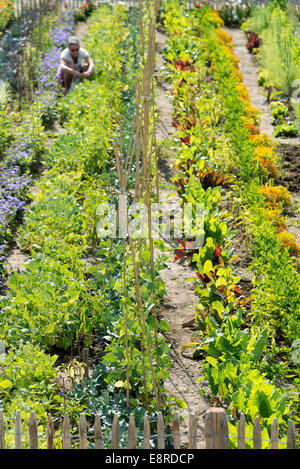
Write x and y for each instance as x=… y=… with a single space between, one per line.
x=48 y=85
x=23 y=154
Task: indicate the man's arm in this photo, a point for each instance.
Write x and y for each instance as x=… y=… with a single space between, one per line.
x=65 y=66
x=91 y=67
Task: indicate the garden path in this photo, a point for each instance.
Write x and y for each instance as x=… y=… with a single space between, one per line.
x=287 y=148
x=177 y=305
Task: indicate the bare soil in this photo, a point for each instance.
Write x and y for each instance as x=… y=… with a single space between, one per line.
x=290 y=163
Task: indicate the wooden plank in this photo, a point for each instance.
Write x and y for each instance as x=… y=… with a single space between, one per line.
x=242 y=432
x=50 y=433
x=274 y=434
x=2 y=431
x=18 y=430
x=33 y=431
x=160 y=431
x=176 y=431
x=98 y=432
x=146 y=442
x=131 y=433
x=291 y=441
x=216 y=429
x=192 y=432
x=85 y=359
x=257 y=441
x=66 y=433
x=83 y=443
x=115 y=432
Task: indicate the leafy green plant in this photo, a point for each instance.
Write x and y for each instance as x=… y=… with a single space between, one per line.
x=6 y=136
x=6 y=14
x=28 y=383
x=234 y=14
x=258 y=21
x=279 y=112
x=286 y=130
x=279 y=52
x=61 y=308
x=85 y=10
x=284 y=127
x=28 y=371
x=232 y=356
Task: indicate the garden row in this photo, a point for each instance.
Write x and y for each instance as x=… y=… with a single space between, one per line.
x=22 y=136
x=75 y=289
x=27 y=377
x=247 y=341
x=25 y=119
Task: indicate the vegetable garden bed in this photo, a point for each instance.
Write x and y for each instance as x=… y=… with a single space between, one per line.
x=79 y=289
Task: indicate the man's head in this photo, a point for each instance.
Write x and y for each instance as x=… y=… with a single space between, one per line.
x=74 y=45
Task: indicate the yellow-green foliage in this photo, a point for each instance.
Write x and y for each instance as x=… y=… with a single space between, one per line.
x=279 y=52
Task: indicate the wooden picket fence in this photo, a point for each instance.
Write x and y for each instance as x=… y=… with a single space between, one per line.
x=22 y=6
x=215 y=434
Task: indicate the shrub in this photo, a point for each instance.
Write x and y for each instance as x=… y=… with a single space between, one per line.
x=253 y=42
x=279 y=53
x=276 y=196
x=286 y=130
x=290 y=242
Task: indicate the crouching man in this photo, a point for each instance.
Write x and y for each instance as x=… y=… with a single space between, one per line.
x=71 y=64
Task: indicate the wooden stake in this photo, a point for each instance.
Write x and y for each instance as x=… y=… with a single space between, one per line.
x=176 y=431
x=115 y=433
x=131 y=433
x=160 y=431
x=257 y=441
x=274 y=434
x=33 y=431
x=83 y=443
x=146 y=443
x=98 y=432
x=2 y=431
x=192 y=432
x=85 y=359
x=241 y=432
x=291 y=441
x=50 y=433
x=66 y=434
x=18 y=430
x=216 y=429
